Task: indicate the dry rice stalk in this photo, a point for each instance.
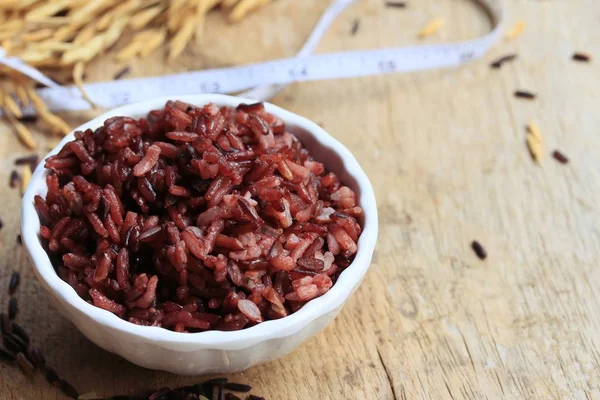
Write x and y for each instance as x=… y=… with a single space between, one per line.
x=10 y=105
x=143 y=18
x=86 y=53
x=37 y=35
x=36 y=101
x=154 y=42
x=57 y=124
x=245 y=7
x=229 y=3
x=78 y=80
x=47 y=9
x=432 y=27
x=22 y=94
x=533 y=130
x=120 y=11
x=516 y=30
x=25 y=178
x=181 y=39
x=85 y=35
x=23 y=133
x=535 y=142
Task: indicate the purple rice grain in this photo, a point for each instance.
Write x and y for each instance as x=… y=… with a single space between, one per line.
x=237 y=387
x=52 y=376
x=68 y=389
x=19 y=240
x=30 y=118
x=121 y=73
x=504 y=59
x=395 y=4
x=20 y=332
x=13 y=308
x=1 y=223
x=215 y=381
x=12 y=345
x=36 y=356
x=31 y=160
x=6 y=355
x=523 y=94
x=16 y=343
x=479 y=250
x=13 y=283
x=5 y=324
x=582 y=57
x=25 y=365
x=355 y=27
x=14 y=180
x=560 y=157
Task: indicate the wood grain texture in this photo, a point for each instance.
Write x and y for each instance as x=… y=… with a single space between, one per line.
x=445 y=151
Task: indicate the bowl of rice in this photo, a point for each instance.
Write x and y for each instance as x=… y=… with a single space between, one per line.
x=203 y=234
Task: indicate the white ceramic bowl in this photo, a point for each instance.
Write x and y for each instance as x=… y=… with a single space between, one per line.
x=212 y=351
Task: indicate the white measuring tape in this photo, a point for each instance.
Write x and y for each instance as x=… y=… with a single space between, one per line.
x=268 y=78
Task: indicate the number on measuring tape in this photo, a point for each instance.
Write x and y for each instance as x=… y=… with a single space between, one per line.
x=387 y=66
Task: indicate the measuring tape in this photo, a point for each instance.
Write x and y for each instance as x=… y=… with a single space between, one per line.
x=266 y=79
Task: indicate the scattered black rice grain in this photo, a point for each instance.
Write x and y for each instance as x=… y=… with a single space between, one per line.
x=395 y=4
x=215 y=381
x=31 y=160
x=479 y=250
x=17 y=341
x=20 y=332
x=560 y=157
x=5 y=324
x=231 y=396
x=25 y=365
x=36 y=357
x=524 y=94
x=504 y=59
x=237 y=387
x=121 y=73
x=355 y=27
x=68 y=389
x=30 y=118
x=1 y=223
x=582 y=57
x=13 y=308
x=6 y=355
x=52 y=376
x=19 y=240
x=15 y=179
x=13 y=283
x=12 y=345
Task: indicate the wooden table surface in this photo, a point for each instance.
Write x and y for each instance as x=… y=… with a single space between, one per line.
x=445 y=151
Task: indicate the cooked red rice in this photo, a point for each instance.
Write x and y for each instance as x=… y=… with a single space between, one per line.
x=196 y=218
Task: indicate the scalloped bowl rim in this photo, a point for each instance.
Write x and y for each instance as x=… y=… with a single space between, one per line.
x=226 y=340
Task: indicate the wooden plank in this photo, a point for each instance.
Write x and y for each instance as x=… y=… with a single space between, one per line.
x=446 y=153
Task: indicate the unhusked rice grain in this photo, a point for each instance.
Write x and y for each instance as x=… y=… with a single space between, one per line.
x=196 y=218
